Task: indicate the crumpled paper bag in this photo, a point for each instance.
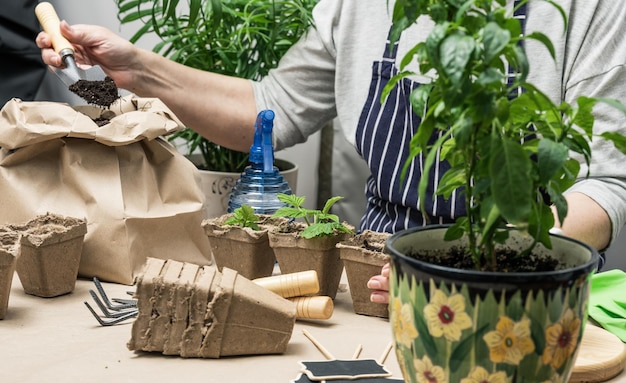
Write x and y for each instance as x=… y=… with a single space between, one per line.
x=140 y=197
x=607 y=301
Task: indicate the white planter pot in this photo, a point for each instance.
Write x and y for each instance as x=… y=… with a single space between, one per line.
x=218 y=185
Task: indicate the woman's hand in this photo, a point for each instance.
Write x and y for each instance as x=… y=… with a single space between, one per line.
x=379 y=284
x=94 y=45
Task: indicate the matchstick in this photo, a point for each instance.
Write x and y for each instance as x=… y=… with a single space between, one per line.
x=321 y=348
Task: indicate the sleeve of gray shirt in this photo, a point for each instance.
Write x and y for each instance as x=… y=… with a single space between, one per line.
x=590 y=60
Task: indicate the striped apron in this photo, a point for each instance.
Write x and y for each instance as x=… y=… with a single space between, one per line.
x=383 y=139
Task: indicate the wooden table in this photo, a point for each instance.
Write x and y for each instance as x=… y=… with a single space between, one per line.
x=58 y=340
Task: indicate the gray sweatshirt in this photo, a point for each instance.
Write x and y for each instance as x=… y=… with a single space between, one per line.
x=327 y=75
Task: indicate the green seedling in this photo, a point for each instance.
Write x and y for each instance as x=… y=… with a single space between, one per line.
x=244 y=217
x=320 y=223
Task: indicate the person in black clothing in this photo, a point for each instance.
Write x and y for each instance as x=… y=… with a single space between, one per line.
x=21 y=67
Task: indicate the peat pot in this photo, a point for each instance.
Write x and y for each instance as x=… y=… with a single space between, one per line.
x=50 y=252
x=453 y=325
x=9 y=252
x=242 y=249
x=363 y=257
x=295 y=253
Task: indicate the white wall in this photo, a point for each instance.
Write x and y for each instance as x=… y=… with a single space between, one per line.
x=105 y=13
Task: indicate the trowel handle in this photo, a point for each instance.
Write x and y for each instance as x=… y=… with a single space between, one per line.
x=316 y=307
x=291 y=285
x=50 y=23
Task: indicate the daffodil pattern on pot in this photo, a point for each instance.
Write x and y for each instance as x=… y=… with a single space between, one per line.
x=444 y=333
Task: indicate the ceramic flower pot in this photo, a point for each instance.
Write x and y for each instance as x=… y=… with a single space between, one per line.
x=452 y=325
x=50 y=253
x=9 y=251
x=363 y=257
x=242 y=249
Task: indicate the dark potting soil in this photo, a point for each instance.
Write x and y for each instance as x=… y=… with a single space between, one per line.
x=102 y=93
x=101 y=121
x=507 y=261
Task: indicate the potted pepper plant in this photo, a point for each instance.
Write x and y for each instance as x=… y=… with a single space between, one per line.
x=243 y=38
x=460 y=312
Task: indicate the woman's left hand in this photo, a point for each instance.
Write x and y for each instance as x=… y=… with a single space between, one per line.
x=379 y=284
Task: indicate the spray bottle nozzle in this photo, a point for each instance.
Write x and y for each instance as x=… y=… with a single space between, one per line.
x=262 y=150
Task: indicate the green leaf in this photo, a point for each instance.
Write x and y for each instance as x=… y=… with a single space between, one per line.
x=584 y=117
x=490 y=76
x=545 y=40
x=194 y=10
x=618 y=140
x=392 y=84
x=244 y=216
x=409 y=56
x=558 y=200
x=511 y=186
x=457 y=230
x=617 y=104
x=494 y=40
x=329 y=203
x=490 y=211
x=455 y=52
x=319 y=230
x=562 y=12
x=452 y=179
x=290 y=212
x=542 y=220
x=428 y=164
x=291 y=199
x=551 y=157
x=419 y=99
x=433 y=41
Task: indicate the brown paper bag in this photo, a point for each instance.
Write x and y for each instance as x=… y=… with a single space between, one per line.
x=140 y=197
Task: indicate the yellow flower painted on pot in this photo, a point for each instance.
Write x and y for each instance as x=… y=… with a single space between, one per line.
x=561 y=340
x=446 y=316
x=480 y=375
x=403 y=323
x=510 y=341
x=426 y=372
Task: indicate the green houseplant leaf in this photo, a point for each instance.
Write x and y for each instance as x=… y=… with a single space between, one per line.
x=319 y=223
x=242 y=38
x=244 y=216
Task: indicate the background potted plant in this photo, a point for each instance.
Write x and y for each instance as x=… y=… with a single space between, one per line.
x=490 y=320
x=243 y=38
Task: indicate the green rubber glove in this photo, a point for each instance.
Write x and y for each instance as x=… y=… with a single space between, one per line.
x=607 y=303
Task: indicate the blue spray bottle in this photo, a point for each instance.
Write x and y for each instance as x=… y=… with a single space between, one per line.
x=260 y=182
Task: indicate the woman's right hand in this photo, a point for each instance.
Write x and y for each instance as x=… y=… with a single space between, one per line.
x=95 y=45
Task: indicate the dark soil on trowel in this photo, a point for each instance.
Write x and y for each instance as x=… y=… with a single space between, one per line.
x=102 y=93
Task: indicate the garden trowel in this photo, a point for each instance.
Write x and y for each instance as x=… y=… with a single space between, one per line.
x=50 y=22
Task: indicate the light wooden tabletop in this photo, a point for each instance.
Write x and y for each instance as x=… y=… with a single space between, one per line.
x=58 y=339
